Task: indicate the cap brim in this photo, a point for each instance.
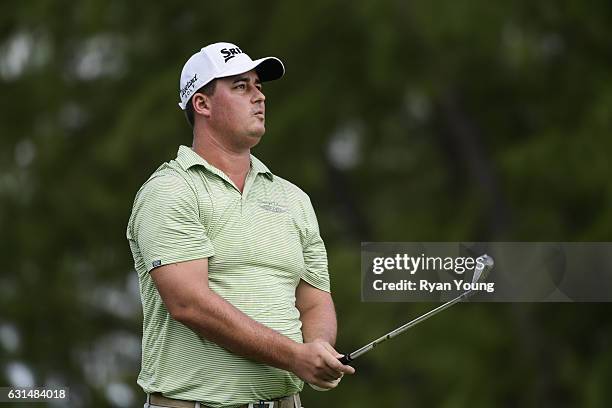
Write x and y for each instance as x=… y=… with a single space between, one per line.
x=268 y=69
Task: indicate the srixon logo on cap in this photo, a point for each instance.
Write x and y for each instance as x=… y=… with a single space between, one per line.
x=229 y=53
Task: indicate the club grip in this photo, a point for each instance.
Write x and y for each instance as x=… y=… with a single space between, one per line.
x=346 y=359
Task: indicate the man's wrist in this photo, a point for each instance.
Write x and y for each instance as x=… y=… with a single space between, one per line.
x=320 y=339
x=291 y=355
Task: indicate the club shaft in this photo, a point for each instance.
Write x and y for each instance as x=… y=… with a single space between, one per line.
x=359 y=352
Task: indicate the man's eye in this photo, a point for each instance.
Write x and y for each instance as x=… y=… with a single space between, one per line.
x=241 y=86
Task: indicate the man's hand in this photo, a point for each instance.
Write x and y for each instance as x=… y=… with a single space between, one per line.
x=317 y=363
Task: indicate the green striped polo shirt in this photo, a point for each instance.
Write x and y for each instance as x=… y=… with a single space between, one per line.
x=259 y=245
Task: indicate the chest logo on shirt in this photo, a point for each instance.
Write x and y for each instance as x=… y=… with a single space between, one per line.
x=272 y=206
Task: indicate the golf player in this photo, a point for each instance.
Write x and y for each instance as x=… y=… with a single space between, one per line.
x=233 y=277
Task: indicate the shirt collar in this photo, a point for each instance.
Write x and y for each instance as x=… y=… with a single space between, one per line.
x=187 y=158
x=259 y=167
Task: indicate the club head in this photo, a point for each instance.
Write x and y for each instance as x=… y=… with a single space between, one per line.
x=484 y=264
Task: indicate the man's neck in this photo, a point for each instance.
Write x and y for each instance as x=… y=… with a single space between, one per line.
x=235 y=164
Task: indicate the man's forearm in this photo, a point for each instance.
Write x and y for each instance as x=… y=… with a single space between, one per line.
x=183 y=288
x=319 y=322
x=219 y=321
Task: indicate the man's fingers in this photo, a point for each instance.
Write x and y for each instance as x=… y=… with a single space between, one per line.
x=326 y=385
x=334 y=363
x=330 y=377
x=336 y=377
x=337 y=366
x=321 y=364
x=330 y=370
x=347 y=369
x=329 y=347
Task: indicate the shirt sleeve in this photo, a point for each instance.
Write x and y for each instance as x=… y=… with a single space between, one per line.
x=167 y=227
x=315 y=256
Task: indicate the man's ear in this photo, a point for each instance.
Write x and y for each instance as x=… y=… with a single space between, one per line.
x=201 y=104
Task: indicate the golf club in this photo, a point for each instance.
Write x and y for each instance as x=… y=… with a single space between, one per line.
x=484 y=264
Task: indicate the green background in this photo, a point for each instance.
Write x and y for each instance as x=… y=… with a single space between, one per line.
x=403 y=120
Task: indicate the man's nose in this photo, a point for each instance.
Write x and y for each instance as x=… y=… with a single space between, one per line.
x=258 y=96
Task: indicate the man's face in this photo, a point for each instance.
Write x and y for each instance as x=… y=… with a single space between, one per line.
x=238 y=110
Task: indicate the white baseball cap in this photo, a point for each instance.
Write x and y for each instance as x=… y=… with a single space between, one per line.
x=220 y=60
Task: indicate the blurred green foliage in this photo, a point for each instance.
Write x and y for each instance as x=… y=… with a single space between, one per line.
x=403 y=120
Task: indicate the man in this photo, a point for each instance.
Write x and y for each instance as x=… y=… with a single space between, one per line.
x=232 y=269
